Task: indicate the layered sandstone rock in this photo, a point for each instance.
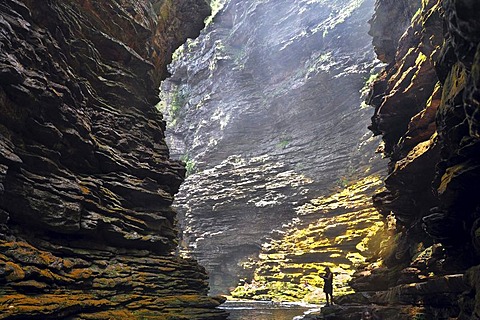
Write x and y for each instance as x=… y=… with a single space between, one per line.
x=427 y=113
x=86 y=183
x=265 y=110
x=341 y=231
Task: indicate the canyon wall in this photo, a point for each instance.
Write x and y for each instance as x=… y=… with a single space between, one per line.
x=265 y=109
x=427 y=112
x=86 y=183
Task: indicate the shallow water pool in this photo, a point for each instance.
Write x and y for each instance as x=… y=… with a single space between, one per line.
x=258 y=310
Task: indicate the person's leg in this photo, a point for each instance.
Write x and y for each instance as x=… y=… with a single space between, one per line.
x=326 y=295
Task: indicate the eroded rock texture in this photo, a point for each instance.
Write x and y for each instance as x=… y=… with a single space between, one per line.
x=341 y=231
x=268 y=118
x=426 y=109
x=86 y=182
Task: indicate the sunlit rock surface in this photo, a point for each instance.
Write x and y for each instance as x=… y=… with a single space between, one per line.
x=426 y=110
x=340 y=231
x=269 y=117
x=86 y=183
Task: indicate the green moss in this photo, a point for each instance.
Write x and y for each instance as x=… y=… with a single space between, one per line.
x=216 y=6
x=343 y=182
x=455 y=82
x=369 y=81
x=420 y=316
x=177 y=102
x=283 y=143
x=238 y=55
x=164 y=8
x=190 y=164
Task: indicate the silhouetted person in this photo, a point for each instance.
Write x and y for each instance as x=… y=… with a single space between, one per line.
x=369 y=315
x=328 y=285
x=366 y=315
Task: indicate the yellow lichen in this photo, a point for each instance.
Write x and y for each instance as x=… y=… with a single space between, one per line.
x=455 y=82
x=47 y=304
x=450 y=174
x=84 y=190
x=79 y=274
x=14 y=271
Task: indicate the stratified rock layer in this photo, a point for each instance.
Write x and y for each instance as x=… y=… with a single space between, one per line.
x=340 y=231
x=426 y=109
x=264 y=107
x=86 y=182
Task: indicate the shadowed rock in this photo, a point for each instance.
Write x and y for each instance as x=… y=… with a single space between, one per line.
x=86 y=182
x=426 y=114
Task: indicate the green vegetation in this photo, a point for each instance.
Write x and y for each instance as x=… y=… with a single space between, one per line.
x=343 y=182
x=190 y=164
x=178 y=100
x=351 y=175
x=373 y=77
x=367 y=87
x=188 y=46
x=369 y=83
x=419 y=316
x=283 y=143
x=238 y=55
x=216 y=6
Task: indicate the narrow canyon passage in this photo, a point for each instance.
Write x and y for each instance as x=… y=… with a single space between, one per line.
x=158 y=157
x=268 y=108
x=263 y=130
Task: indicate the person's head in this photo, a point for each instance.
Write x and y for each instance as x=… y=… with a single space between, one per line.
x=327 y=269
x=366 y=315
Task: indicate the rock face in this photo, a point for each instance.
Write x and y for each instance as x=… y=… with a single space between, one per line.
x=426 y=110
x=86 y=183
x=340 y=231
x=264 y=108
